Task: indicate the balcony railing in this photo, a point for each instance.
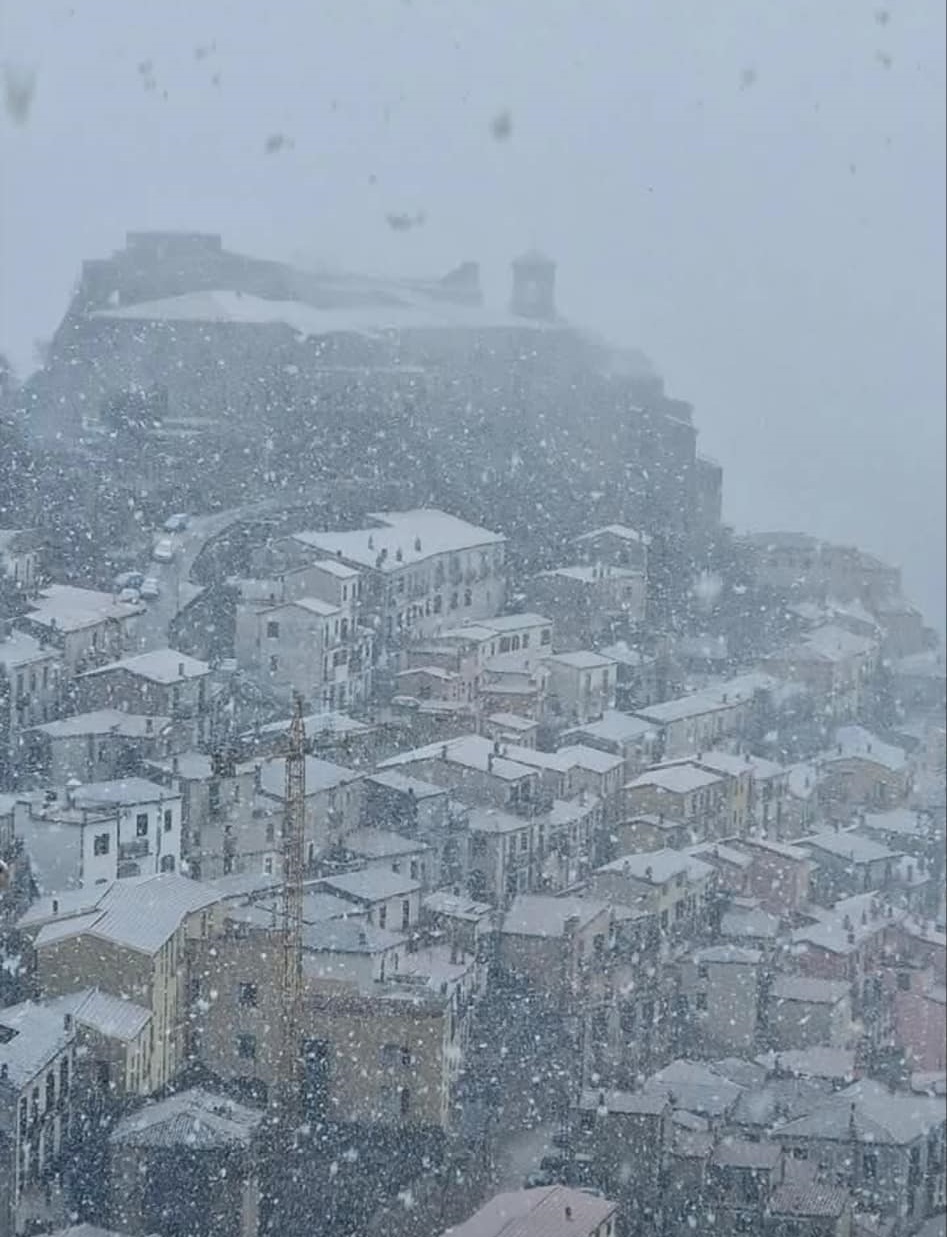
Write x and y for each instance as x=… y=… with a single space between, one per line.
x=134 y=850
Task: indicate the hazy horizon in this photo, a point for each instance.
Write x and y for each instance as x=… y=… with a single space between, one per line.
x=753 y=197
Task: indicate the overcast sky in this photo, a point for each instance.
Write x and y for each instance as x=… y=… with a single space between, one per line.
x=752 y=192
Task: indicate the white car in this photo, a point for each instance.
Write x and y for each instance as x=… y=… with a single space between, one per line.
x=150 y=588
x=176 y=523
x=130 y=596
x=163 y=551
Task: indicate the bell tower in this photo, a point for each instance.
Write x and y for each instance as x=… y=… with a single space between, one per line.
x=534 y=286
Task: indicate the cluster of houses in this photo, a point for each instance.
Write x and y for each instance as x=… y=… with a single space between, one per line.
x=737 y=932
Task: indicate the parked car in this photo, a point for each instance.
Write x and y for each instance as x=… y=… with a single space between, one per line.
x=130 y=596
x=149 y=588
x=163 y=551
x=128 y=579
x=176 y=523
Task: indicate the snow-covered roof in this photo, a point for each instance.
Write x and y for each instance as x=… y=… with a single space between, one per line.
x=121 y=792
x=110 y=1016
x=630 y=1103
x=845 y=844
x=736 y=955
x=102 y=722
x=546 y=1211
x=164 y=666
x=332 y=567
x=312 y=605
x=833 y=643
x=848 y=924
x=513 y=721
x=19 y=648
x=750 y=924
x=435 y=532
x=403 y=784
x=348 y=936
x=621 y=531
x=370 y=885
x=320 y=775
x=815 y=1199
x=374 y=318
x=809 y=990
x=581 y=659
x=67 y=608
x=139 y=912
x=868 y=1112
x=535 y=914
x=676 y=779
x=38 y=1036
x=695 y=1086
x=471 y=751
x=657 y=867
x=711 y=699
x=381 y=843
x=492 y=820
x=193 y=1119
x=456 y=906
x=612 y=727
x=504 y=623
x=856 y=742
x=591 y=759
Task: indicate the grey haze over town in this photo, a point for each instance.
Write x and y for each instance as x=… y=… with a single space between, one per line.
x=473 y=710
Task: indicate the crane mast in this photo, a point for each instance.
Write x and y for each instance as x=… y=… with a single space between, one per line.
x=288 y=1078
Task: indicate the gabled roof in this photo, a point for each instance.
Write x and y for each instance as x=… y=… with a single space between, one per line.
x=139 y=912
x=110 y=1016
x=845 y=844
x=621 y=531
x=657 y=867
x=38 y=1036
x=548 y=1211
x=370 y=885
x=857 y=743
x=164 y=666
x=193 y=1119
x=677 y=779
x=868 y=1112
x=535 y=914
x=65 y=608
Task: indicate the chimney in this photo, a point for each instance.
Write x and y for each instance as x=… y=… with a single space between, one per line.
x=55 y=906
x=257 y=776
x=444 y=752
x=180 y=669
x=67 y=1023
x=175 y=764
x=417 y=545
x=490 y=760
x=568 y=1213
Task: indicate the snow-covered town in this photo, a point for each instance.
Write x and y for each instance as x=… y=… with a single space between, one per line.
x=613 y=865
x=473 y=698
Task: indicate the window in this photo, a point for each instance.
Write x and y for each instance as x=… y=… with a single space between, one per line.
x=382 y=916
x=800 y=1153
x=524 y=841
x=246 y=1047
x=904 y=981
x=168 y=820
x=247 y=995
x=274 y=664
x=870 y=1166
x=453 y=601
x=438 y=604
x=405 y=913
x=272 y=631
x=100 y=844
x=141 y=825
x=405 y=1102
x=468 y=597
x=701 y=1000
x=414 y=869
x=50 y=1091
x=546 y=637
x=390 y=1055
x=167 y=863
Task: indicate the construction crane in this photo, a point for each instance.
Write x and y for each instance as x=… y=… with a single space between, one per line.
x=288 y=1063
